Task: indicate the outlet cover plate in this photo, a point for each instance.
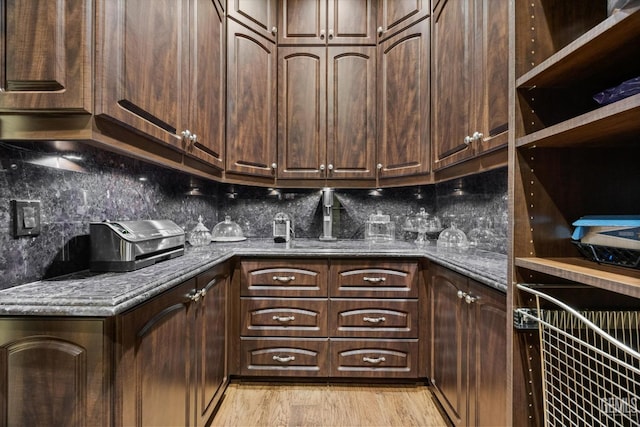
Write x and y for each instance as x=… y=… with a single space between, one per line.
x=26 y=217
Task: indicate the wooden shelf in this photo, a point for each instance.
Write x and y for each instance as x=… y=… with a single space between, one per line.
x=617 y=35
x=621 y=280
x=608 y=123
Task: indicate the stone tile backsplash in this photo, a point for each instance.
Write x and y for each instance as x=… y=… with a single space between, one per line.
x=108 y=186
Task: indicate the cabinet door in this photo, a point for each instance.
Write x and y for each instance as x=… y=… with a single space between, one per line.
x=207 y=83
x=251 y=102
x=351 y=112
x=302 y=22
x=259 y=15
x=394 y=15
x=45 y=55
x=492 y=54
x=488 y=356
x=403 y=103
x=452 y=82
x=302 y=131
x=153 y=378
x=351 y=22
x=54 y=372
x=449 y=342
x=141 y=66
x=210 y=343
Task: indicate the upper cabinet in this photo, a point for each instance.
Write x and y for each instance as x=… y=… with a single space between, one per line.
x=395 y=15
x=259 y=15
x=154 y=60
x=470 y=79
x=403 y=103
x=327 y=22
x=251 y=102
x=45 y=55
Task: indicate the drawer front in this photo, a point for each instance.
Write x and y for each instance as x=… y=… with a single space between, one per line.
x=374 y=358
x=374 y=279
x=284 y=357
x=373 y=318
x=284 y=277
x=284 y=317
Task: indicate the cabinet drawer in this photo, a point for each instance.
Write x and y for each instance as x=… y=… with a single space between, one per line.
x=284 y=277
x=284 y=357
x=373 y=318
x=374 y=279
x=374 y=358
x=284 y=317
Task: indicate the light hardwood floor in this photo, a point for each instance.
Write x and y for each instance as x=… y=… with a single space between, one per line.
x=267 y=404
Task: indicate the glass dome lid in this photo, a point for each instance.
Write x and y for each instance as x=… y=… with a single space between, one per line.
x=227 y=231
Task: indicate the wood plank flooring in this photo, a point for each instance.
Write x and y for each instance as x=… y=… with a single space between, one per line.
x=268 y=404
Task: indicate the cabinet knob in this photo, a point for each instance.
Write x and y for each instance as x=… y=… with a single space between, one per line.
x=274 y=165
x=330 y=34
x=477 y=136
x=274 y=30
x=469 y=299
x=380 y=31
x=468 y=140
x=330 y=167
x=461 y=294
x=379 y=166
x=322 y=167
x=322 y=33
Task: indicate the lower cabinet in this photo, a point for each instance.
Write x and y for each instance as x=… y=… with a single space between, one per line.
x=55 y=372
x=468 y=353
x=160 y=363
x=172 y=364
x=329 y=318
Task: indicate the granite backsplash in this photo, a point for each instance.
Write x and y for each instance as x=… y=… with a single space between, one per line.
x=94 y=185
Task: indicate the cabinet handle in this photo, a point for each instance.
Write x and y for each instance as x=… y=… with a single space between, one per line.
x=374 y=319
x=284 y=319
x=468 y=140
x=374 y=279
x=461 y=294
x=284 y=359
x=192 y=141
x=274 y=30
x=374 y=360
x=186 y=137
x=322 y=32
x=194 y=296
x=330 y=34
x=469 y=299
x=284 y=279
x=380 y=31
x=477 y=136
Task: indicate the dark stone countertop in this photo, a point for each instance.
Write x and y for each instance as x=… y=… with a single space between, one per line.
x=107 y=294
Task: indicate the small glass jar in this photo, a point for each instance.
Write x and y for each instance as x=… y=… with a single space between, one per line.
x=200 y=235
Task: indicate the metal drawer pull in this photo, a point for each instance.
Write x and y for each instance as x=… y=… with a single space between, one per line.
x=374 y=279
x=284 y=279
x=284 y=359
x=284 y=319
x=374 y=319
x=373 y=360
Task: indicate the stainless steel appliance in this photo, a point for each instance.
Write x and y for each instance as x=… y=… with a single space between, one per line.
x=130 y=245
x=282 y=228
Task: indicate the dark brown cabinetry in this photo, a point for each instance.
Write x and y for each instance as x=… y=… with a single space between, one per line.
x=159 y=71
x=172 y=364
x=468 y=353
x=395 y=15
x=260 y=16
x=326 y=124
x=45 y=55
x=251 y=102
x=403 y=135
x=322 y=22
x=56 y=371
x=470 y=79
x=329 y=318
x=571 y=157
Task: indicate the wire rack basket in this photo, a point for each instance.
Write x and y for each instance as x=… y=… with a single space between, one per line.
x=590 y=363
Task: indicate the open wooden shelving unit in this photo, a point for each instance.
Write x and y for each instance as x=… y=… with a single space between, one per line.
x=568 y=157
